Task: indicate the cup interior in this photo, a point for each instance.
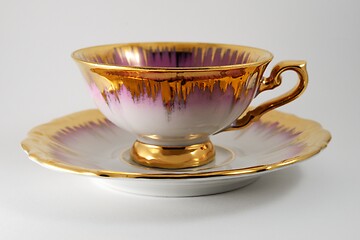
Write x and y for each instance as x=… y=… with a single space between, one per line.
x=172 y=55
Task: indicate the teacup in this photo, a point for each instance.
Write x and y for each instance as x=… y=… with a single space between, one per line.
x=173 y=96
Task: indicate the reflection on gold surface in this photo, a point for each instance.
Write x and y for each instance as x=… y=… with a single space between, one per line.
x=171 y=89
x=173 y=157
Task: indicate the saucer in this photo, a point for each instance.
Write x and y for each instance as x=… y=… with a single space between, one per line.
x=88 y=144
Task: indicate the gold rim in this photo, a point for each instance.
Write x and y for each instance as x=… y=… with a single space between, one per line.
x=267 y=59
x=35 y=145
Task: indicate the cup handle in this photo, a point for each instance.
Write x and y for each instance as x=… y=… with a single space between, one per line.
x=271 y=82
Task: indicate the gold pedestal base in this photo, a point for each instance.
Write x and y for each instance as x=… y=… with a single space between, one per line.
x=172 y=157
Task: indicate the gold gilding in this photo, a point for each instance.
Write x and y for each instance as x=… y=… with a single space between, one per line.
x=273 y=81
x=172 y=157
x=171 y=89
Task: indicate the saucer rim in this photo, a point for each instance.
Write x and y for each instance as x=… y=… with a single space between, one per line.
x=36 y=136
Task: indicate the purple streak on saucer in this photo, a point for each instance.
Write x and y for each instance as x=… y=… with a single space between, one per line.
x=69 y=142
x=278 y=136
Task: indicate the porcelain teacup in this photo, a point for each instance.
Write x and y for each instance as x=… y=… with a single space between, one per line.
x=173 y=96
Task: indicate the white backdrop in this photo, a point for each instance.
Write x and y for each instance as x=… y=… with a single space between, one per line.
x=318 y=199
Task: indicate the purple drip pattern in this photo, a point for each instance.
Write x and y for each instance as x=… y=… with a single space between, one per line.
x=172 y=57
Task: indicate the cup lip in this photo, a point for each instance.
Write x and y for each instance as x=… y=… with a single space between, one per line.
x=264 y=52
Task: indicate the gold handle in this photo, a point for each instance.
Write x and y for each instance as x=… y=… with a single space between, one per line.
x=273 y=81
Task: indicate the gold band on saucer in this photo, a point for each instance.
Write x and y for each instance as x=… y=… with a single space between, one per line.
x=173 y=157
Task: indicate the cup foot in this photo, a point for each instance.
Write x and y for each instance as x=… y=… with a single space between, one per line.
x=175 y=157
